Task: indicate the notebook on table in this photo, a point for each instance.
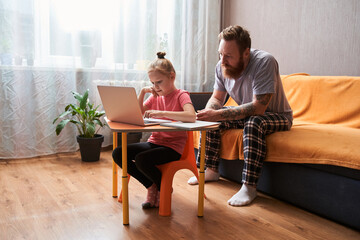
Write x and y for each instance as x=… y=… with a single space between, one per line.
x=196 y=125
x=121 y=105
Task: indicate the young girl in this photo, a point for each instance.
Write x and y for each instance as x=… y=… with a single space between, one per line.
x=167 y=102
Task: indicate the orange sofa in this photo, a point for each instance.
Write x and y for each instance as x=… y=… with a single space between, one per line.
x=315 y=165
x=326 y=127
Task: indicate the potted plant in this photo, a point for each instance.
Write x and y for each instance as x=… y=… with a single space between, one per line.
x=88 y=123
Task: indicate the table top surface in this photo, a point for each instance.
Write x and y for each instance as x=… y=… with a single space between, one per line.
x=124 y=127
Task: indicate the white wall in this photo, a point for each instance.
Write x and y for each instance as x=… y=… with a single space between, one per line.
x=319 y=37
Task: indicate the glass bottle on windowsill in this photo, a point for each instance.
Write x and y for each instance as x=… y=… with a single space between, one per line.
x=30 y=60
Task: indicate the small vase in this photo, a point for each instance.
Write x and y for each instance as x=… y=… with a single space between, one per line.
x=6 y=58
x=88 y=57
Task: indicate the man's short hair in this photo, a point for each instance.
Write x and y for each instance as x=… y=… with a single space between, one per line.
x=239 y=34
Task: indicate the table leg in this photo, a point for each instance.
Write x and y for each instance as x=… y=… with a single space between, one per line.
x=114 y=168
x=202 y=175
x=125 y=196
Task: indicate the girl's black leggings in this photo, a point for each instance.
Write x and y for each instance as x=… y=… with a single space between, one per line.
x=142 y=159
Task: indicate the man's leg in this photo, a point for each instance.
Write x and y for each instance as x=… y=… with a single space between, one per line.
x=256 y=128
x=212 y=150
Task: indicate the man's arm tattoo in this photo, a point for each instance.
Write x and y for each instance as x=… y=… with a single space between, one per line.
x=245 y=110
x=214 y=105
x=240 y=112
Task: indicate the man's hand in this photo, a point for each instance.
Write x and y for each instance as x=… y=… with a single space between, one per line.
x=210 y=115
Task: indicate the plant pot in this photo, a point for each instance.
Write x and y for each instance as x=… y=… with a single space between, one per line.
x=90 y=147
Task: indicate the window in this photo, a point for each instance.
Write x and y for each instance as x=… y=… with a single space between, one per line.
x=16 y=30
x=106 y=33
x=113 y=35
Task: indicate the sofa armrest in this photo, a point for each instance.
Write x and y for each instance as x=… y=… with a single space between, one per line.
x=199 y=99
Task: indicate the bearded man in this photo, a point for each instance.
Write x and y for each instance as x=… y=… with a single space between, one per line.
x=251 y=77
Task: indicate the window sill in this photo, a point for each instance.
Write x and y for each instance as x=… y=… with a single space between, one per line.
x=70 y=69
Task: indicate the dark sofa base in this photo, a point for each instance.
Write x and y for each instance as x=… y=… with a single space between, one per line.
x=314 y=188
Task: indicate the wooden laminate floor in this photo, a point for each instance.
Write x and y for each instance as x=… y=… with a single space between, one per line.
x=60 y=197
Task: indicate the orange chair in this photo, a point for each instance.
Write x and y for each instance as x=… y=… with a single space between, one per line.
x=168 y=170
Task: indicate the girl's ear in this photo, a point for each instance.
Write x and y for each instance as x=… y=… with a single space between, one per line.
x=172 y=76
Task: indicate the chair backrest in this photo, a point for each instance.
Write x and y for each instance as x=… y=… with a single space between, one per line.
x=189 y=154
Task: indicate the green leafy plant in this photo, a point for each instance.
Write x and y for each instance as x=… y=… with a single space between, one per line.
x=83 y=115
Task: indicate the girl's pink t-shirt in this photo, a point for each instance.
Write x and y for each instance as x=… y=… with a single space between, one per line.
x=171 y=102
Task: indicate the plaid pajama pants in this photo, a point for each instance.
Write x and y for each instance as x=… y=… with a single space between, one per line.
x=255 y=129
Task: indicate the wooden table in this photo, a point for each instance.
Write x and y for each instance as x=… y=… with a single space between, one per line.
x=126 y=128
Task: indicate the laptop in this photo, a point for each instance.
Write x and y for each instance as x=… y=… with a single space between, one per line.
x=121 y=105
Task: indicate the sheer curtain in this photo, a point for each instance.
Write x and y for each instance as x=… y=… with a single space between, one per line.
x=49 y=48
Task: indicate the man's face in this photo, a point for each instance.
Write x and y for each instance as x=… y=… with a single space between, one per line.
x=232 y=62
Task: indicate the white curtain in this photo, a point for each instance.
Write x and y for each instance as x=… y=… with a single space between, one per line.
x=49 y=48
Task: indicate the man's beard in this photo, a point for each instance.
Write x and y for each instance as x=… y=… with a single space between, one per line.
x=233 y=72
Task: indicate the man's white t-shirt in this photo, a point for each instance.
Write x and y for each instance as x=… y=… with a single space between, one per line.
x=261 y=76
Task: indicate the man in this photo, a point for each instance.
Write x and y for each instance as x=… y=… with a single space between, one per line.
x=251 y=77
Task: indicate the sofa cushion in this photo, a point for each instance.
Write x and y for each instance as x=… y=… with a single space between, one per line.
x=324 y=99
x=304 y=143
x=316 y=143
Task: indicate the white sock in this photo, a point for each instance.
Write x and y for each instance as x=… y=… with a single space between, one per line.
x=244 y=196
x=210 y=175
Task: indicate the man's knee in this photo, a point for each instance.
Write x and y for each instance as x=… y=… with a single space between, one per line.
x=256 y=119
x=254 y=122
